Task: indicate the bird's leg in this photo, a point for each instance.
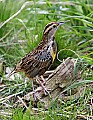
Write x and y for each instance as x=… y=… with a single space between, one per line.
x=43 y=87
x=34 y=92
x=43 y=79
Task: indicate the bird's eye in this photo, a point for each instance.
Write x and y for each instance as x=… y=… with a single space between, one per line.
x=54 y=26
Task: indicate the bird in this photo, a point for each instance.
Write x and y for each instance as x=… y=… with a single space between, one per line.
x=38 y=61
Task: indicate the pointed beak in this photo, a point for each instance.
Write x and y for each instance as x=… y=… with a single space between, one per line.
x=60 y=23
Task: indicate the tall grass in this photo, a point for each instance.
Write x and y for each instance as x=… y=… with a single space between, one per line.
x=28 y=26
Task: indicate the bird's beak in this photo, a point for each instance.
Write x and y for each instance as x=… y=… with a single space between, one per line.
x=60 y=23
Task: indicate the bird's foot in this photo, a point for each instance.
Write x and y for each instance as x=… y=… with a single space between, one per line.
x=43 y=87
x=35 y=97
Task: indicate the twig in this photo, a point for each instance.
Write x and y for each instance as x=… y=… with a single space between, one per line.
x=3 y=113
x=49 y=72
x=22 y=102
x=85 y=117
x=8 y=97
x=2 y=85
x=2 y=89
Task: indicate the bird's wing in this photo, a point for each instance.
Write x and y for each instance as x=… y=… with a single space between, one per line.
x=35 y=64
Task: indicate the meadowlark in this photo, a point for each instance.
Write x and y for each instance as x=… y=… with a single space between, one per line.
x=36 y=62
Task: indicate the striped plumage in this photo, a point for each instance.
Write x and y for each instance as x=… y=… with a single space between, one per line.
x=40 y=58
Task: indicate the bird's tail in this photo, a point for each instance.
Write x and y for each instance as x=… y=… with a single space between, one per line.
x=12 y=72
x=16 y=69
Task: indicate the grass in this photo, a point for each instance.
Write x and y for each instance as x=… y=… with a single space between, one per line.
x=24 y=31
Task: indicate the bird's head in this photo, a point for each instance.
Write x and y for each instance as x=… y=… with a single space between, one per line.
x=51 y=28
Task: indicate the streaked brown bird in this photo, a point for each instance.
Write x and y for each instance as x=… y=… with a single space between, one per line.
x=36 y=62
